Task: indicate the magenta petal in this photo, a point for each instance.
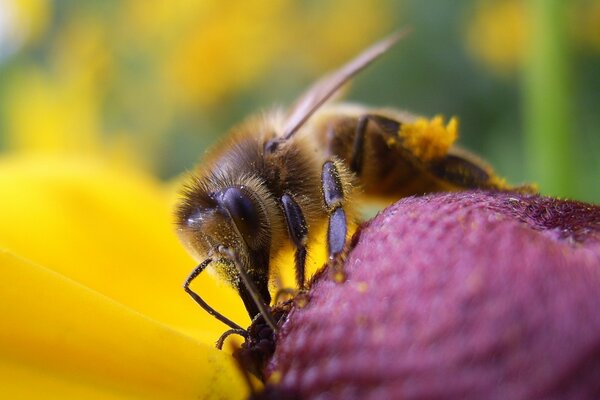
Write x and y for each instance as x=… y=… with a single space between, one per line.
x=468 y=295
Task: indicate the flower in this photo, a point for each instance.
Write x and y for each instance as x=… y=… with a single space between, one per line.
x=497 y=33
x=92 y=269
x=435 y=286
x=141 y=76
x=92 y=304
x=464 y=295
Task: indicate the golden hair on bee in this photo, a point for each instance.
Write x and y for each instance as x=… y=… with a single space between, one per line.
x=278 y=177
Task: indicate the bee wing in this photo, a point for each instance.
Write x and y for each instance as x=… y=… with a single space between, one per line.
x=323 y=89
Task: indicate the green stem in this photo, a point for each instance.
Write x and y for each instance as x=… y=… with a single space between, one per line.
x=547 y=106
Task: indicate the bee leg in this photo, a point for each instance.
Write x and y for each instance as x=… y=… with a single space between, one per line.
x=356 y=158
x=202 y=303
x=298 y=231
x=249 y=289
x=388 y=126
x=461 y=172
x=333 y=195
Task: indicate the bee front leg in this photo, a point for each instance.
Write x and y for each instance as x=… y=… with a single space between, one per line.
x=249 y=292
x=333 y=196
x=298 y=231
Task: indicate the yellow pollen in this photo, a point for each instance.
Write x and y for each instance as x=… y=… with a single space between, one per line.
x=429 y=139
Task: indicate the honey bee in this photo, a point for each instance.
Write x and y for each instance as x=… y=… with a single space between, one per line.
x=280 y=176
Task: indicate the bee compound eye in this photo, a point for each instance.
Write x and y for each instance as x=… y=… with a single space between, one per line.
x=194 y=218
x=243 y=211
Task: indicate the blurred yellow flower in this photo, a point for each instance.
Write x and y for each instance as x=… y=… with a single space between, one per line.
x=328 y=35
x=130 y=73
x=58 y=109
x=497 y=32
x=224 y=48
x=91 y=290
x=50 y=115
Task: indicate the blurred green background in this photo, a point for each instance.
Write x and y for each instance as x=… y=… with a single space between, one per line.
x=154 y=83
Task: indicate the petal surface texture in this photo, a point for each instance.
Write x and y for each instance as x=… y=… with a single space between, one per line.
x=453 y=296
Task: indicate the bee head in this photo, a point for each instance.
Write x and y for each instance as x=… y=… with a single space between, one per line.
x=232 y=216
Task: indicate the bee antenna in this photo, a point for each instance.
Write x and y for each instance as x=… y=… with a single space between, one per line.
x=324 y=89
x=254 y=293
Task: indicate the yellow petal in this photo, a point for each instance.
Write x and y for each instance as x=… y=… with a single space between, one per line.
x=60 y=339
x=111 y=229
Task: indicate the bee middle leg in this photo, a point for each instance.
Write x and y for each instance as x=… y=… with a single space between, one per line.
x=298 y=232
x=333 y=196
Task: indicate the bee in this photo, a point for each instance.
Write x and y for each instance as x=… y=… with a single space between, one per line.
x=280 y=176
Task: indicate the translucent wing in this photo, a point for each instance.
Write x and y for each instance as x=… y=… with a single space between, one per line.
x=322 y=91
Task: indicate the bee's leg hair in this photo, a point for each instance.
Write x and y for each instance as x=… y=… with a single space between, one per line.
x=202 y=303
x=388 y=126
x=333 y=196
x=298 y=231
x=250 y=287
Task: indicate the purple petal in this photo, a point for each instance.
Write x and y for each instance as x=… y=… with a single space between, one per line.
x=467 y=295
